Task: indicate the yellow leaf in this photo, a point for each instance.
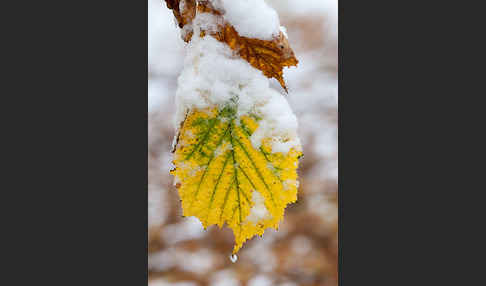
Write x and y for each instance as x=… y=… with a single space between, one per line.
x=222 y=178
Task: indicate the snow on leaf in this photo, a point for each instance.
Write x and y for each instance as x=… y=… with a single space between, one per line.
x=224 y=179
x=184 y=11
x=185 y=15
x=269 y=56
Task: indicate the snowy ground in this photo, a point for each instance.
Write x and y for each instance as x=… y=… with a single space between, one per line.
x=304 y=250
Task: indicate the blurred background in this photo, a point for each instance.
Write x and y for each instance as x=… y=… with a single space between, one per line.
x=304 y=249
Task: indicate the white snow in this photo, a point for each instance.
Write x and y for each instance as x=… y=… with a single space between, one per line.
x=207 y=22
x=222 y=149
x=287 y=184
x=284 y=31
x=279 y=123
x=251 y=18
x=182 y=5
x=258 y=211
x=213 y=75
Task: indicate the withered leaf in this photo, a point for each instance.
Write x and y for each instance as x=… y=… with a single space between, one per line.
x=185 y=16
x=269 y=56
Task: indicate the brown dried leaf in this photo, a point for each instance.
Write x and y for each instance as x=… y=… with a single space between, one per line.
x=269 y=56
x=185 y=16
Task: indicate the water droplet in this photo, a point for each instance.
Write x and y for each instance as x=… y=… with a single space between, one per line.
x=233 y=258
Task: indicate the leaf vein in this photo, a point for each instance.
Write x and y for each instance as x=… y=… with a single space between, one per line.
x=206 y=136
x=226 y=199
x=216 y=185
x=256 y=169
x=207 y=168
